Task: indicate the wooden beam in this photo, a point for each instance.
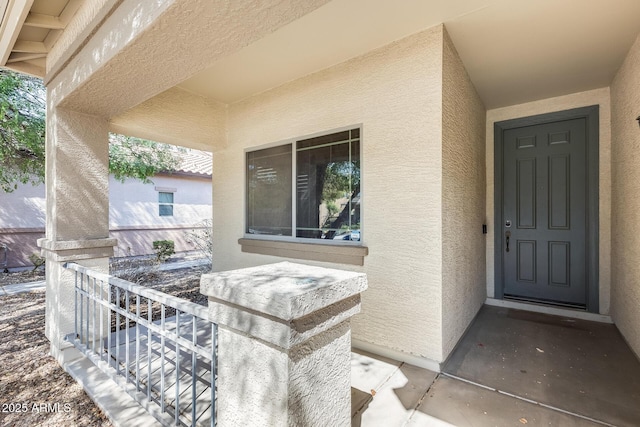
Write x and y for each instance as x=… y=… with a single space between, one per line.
x=27 y=68
x=11 y=25
x=43 y=21
x=18 y=57
x=69 y=10
x=22 y=46
x=51 y=39
x=3 y=7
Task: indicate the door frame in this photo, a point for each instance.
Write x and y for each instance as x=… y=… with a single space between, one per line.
x=591 y=115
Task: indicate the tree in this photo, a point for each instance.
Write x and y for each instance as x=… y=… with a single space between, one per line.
x=22 y=130
x=139 y=158
x=22 y=139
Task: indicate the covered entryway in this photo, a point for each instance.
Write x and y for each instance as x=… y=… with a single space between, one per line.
x=547 y=208
x=512 y=367
x=515 y=366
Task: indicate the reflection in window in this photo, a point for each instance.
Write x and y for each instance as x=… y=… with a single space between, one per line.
x=328 y=186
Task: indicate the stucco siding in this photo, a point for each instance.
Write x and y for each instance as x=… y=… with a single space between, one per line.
x=126 y=48
x=20 y=243
x=22 y=216
x=599 y=97
x=88 y=15
x=23 y=208
x=176 y=117
x=394 y=93
x=77 y=169
x=625 y=199
x=133 y=215
x=463 y=199
x=134 y=203
x=134 y=218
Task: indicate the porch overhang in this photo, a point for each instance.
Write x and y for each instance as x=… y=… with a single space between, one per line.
x=29 y=29
x=220 y=49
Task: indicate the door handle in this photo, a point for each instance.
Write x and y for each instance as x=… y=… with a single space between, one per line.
x=508 y=236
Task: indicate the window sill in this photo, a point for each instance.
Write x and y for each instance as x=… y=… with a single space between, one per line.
x=338 y=254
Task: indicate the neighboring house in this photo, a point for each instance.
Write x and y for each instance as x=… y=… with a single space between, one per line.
x=446 y=119
x=168 y=208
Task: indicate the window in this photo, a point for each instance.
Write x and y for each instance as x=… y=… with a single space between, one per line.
x=324 y=200
x=165 y=204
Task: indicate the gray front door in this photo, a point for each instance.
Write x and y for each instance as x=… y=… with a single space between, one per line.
x=544 y=230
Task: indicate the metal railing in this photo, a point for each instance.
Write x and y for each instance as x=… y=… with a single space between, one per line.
x=159 y=348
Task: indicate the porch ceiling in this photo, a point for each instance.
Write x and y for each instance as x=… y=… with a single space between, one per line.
x=514 y=51
x=29 y=29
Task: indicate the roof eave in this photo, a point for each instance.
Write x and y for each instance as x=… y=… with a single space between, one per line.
x=14 y=14
x=185 y=174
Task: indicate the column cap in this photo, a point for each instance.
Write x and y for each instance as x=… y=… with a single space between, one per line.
x=285 y=290
x=73 y=250
x=65 y=245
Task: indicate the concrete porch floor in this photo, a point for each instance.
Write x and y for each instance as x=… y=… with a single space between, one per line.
x=511 y=368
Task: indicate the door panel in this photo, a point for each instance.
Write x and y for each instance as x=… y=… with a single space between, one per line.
x=526 y=257
x=544 y=194
x=526 y=193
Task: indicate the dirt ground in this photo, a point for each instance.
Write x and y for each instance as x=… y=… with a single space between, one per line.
x=21 y=277
x=34 y=390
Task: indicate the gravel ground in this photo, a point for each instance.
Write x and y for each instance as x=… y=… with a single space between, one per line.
x=21 y=277
x=34 y=390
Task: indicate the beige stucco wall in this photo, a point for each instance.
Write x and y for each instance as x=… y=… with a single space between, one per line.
x=395 y=94
x=125 y=49
x=176 y=117
x=599 y=97
x=463 y=199
x=77 y=175
x=82 y=24
x=625 y=199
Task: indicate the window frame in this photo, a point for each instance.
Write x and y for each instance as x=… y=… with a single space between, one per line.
x=172 y=204
x=294 y=151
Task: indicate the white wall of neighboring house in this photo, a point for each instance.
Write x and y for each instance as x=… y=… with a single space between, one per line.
x=23 y=209
x=134 y=218
x=22 y=216
x=133 y=215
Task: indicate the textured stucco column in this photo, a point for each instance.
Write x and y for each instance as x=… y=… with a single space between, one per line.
x=77 y=223
x=284 y=344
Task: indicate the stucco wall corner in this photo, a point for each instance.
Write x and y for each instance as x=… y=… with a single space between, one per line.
x=463 y=199
x=625 y=203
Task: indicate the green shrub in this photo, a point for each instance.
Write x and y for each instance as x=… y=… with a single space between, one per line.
x=36 y=260
x=163 y=249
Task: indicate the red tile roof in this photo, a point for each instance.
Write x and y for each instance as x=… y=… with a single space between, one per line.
x=195 y=162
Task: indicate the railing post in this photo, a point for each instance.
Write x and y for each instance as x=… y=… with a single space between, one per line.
x=284 y=343
x=60 y=301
